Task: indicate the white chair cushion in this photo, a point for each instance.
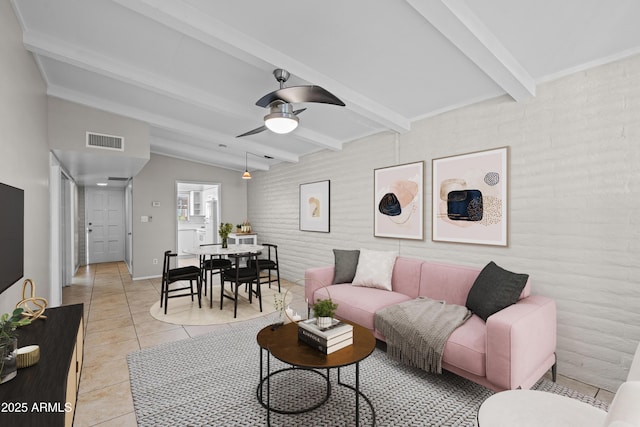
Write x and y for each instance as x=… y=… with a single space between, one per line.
x=634 y=370
x=625 y=407
x=535 y=408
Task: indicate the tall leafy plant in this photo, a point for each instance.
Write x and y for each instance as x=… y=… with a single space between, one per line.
x=9 y=324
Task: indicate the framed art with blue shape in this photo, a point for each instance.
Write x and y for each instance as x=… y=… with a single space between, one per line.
x=315 y=206
x=399 y=201
x=470 y=198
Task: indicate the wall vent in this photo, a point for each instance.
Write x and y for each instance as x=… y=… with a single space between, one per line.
x=108 y=142
x=117 y=178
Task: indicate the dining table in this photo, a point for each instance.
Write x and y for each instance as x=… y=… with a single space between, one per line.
x=218 y=250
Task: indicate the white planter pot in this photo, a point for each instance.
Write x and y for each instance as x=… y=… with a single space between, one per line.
x=324 y=322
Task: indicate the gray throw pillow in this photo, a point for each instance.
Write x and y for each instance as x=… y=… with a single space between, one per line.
x=494 y=289
x=346 y=262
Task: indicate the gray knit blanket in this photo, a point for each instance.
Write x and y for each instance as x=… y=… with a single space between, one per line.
x=417 y=330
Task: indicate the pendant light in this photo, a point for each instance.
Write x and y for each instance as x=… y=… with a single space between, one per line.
x=246 y=174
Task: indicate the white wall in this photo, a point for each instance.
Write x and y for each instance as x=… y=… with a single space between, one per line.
x=574 y=198
x=24 y=158
x=157 y=182
x=69 y=122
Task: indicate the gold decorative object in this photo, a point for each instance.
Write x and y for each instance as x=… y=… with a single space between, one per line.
x=27 y=356
x=39 y=302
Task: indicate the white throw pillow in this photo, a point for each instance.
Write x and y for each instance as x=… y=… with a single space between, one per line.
x=375 y=269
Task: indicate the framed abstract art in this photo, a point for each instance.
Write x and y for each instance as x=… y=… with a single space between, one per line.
x=314 y=206
x=399 y=201
x=470 y=198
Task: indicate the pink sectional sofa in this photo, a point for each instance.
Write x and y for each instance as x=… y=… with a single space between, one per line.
x=513 y=349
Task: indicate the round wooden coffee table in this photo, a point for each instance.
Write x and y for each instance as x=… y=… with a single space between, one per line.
x=282 y=343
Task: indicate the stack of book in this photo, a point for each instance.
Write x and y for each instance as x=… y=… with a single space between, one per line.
x=327 y=340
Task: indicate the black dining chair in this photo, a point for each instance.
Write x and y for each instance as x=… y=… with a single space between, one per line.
x=238 y=275
x=269 y=264
x=171 y=275
x=211 y=265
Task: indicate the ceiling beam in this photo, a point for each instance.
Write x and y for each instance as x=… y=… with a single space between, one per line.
x=78 y=57
x=121 y=71
x=318 y=139
x=173 y=125
x=187 y=19
x=463 y=28
x=204 y=155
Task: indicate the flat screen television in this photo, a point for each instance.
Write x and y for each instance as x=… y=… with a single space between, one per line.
x=11 y=235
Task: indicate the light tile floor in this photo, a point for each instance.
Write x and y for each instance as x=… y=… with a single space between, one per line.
x=117 y=321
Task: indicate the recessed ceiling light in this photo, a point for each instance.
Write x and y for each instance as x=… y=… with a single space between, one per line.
x=102 y=184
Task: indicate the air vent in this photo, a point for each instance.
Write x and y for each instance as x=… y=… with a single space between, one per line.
x=108 y=142
x=117 y=178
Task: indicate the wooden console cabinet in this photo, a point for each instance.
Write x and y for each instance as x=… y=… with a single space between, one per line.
x=45 y=394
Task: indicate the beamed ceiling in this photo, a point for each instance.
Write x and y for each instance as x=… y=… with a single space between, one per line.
x=194 y=69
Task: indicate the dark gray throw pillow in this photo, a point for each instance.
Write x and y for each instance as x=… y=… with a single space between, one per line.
x=494 y=289
x=346 y=264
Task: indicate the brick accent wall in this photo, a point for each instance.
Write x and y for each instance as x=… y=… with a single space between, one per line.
x=574 y=203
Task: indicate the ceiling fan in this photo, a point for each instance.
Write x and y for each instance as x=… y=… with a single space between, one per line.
x=282 y=118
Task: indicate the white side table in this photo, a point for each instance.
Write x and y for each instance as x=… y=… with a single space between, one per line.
x=242 y=238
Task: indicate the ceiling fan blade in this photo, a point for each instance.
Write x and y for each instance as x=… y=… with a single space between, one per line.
x=296 y=112
x=296 y=94
x=253 y=132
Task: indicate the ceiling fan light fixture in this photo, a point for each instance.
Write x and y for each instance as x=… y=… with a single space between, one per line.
x=281 y=119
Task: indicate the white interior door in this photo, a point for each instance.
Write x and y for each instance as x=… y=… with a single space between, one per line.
x=105 y=224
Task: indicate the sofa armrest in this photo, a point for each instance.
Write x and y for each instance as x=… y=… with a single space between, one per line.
x=521 y=342
x=316 y=278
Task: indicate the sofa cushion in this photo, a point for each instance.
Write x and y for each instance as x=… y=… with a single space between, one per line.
x=447 y=282
x=406 y=276
x=346 y=262
x=466 y=347
x=494 y=289
x=359 y=304
x=375 y=269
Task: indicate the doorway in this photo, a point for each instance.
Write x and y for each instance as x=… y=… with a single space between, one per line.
x=197 y=215
x=67 y=252
x=105 y=225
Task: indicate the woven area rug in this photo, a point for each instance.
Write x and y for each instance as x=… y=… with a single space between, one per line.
x=211 y=380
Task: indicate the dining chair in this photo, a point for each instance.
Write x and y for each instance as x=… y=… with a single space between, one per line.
x=238 y=275
x=212 y=264
x=269 y=264
x=171 y=275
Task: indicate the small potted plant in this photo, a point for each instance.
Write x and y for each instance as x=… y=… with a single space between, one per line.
x=238 y=228
x=9 y=343
x=323 y=311
x=224 y=230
